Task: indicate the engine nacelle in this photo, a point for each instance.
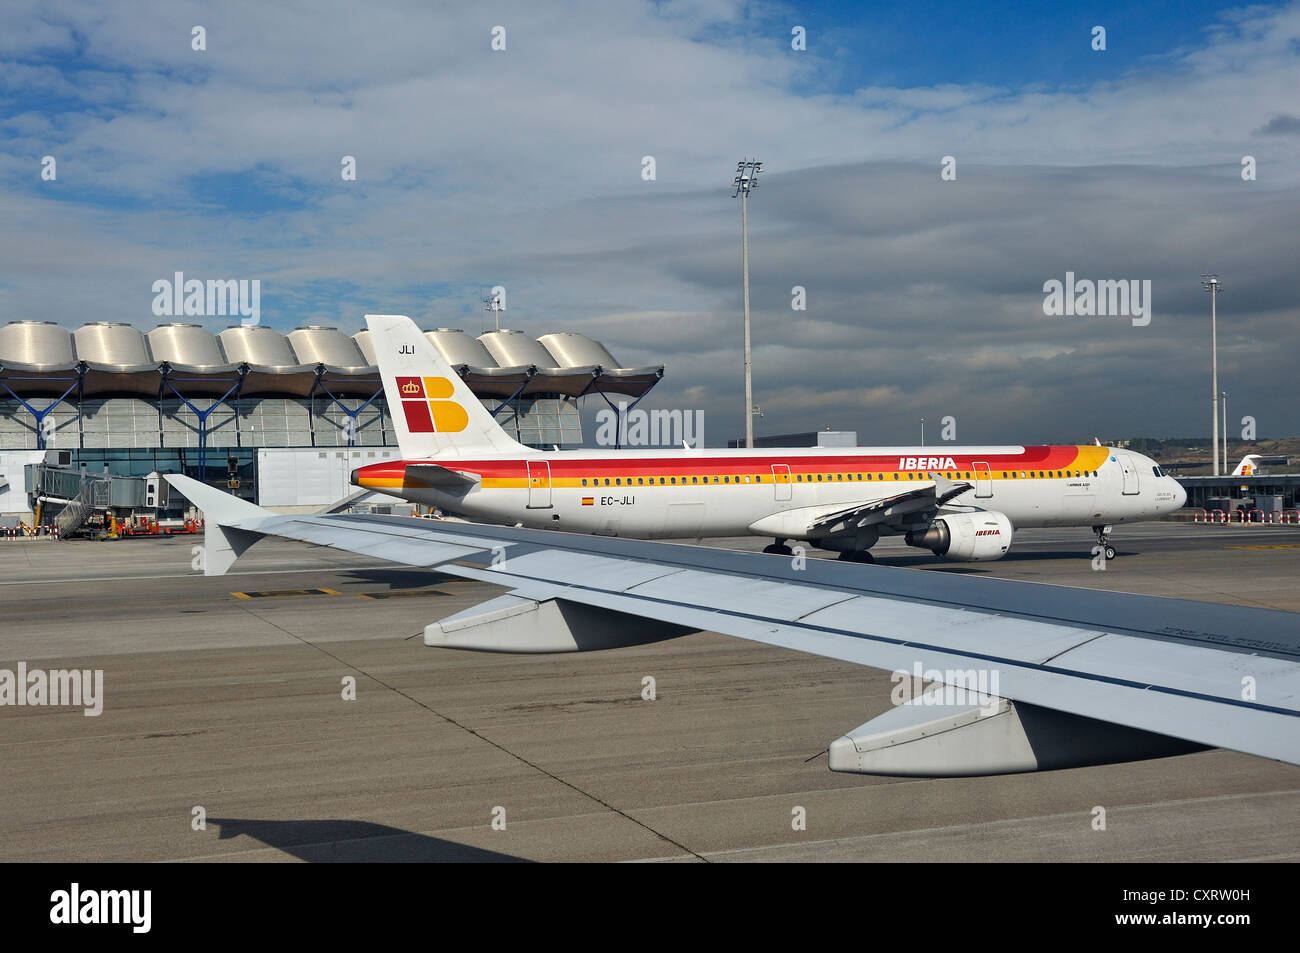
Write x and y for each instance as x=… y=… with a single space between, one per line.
x=969 y=537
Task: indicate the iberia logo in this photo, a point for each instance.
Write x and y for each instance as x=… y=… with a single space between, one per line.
x=426 y=408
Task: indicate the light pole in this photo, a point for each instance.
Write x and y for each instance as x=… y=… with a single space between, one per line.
x=923 y=431
x=746 y=180
x=1211 y=284
x=493 y=303
x=1223 y=398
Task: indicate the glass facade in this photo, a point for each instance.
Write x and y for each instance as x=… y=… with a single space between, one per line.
x=133 y=423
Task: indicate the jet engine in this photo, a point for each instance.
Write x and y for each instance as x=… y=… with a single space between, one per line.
x=969 y=537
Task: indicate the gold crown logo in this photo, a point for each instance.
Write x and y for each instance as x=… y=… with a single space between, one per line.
x=410 y=387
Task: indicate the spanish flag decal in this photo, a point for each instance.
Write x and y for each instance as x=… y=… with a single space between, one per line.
x=588 y=500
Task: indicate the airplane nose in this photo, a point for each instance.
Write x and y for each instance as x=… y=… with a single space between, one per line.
x=1180 y=495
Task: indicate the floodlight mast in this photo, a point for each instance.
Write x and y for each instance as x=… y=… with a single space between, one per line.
x=746 y=180
x=1223 y=402
x=1211 y=284
x=493 y=303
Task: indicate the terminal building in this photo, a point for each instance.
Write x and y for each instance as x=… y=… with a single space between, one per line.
x=1266 y=492
x=249 y=407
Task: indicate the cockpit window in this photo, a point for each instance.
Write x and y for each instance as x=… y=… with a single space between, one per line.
x=1157 y=471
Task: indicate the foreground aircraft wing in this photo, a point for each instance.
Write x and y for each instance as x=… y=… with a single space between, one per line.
x=1051 y=676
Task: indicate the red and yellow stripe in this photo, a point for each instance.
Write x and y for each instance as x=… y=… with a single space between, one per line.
x=575 y=471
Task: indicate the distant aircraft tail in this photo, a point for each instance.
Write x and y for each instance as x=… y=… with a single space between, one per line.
x=1247 y=466
x=433 y=411
x=1252 y=464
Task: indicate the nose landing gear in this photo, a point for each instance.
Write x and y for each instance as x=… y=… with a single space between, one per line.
x=778 y=548
x=1103 y=537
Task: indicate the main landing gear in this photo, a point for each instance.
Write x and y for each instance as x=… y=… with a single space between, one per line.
x=778 y=548
x=857 y=556
x=1103 y=538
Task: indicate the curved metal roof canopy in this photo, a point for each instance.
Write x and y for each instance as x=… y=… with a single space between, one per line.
x=102 y=358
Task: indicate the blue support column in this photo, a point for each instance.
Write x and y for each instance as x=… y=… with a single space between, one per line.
x=352 y=414
x=203 y=415
x=40 y=415
x=518 y=390
x=619 y=418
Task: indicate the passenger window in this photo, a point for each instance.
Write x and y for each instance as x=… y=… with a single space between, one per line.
x=584 y=482
x=673 y=480
x=606 y=481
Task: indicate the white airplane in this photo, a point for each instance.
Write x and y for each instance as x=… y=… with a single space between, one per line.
x=1022 y=676
x=959 y=502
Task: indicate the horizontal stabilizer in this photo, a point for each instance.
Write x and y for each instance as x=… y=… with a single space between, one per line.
x=429 y=475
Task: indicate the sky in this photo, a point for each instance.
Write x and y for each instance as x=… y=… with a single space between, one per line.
x=526 y=168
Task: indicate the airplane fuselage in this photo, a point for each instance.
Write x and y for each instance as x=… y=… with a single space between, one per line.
x=681 y=494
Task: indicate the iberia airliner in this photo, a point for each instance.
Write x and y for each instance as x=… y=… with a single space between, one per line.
x=959 y=502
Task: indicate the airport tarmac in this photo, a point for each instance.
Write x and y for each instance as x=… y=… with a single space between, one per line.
x=225 y=694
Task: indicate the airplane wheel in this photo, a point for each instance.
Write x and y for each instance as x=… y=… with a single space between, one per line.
x=857 y=557
x=775 y=550
x=1110 y=552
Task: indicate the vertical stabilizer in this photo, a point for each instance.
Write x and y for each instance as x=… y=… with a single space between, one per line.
x=434 y=412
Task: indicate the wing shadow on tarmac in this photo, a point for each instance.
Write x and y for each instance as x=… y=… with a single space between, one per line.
x=398 y=579
x=340 y=841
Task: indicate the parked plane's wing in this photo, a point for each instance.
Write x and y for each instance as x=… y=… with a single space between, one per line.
x=1057 y=676
x=932 y=494
x=821 y=522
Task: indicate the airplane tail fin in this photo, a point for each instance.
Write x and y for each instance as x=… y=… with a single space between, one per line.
x=1249 y=463
x=1253 y=464
x=434 y=412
